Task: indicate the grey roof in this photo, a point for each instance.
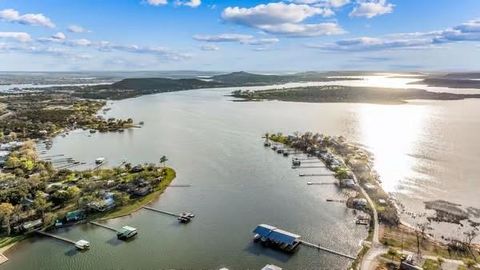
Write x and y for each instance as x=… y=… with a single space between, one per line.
x=275 y=234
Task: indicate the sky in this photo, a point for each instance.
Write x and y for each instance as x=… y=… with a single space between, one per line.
x=233 y=35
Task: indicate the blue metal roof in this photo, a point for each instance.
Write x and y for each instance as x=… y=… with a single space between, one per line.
x=275 y=234
x=263 y=230
x=284 y=237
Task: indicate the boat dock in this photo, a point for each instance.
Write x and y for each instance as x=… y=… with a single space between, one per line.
x=161 y=211
x=179 y=186
x=320 y=183
x=308 y=167
x=315 y=174
x=57 y=237
x=80 y=244
x=326 y=249
x=184 y=217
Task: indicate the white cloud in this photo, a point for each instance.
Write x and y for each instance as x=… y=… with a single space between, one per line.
x=304 y=30
x=190 y=3
x=157 y=2
x=77 y=29
x=323 y=3
x=283 y=19
x=59 y=36
x=11 y=15
x=83 y=42
x=469 y=31
x=223 y=38
x=18 y=36
x=371 y=8
x=209 y=47
x=240 y=38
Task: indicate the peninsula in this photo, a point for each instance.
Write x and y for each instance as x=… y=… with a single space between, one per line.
x=350 y=94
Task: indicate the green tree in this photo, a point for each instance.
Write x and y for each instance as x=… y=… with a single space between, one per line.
x=73 y=192
x=163 y=160
x=392 y=252
x=6 y=211
x=40 y=203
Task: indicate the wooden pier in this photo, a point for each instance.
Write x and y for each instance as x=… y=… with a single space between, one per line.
x=179 y=186
x=315 y=174
x=320 y=183
x=308 y=167
x=103 y=226
x=57 y=237
x=326 y=249
x=161 y=211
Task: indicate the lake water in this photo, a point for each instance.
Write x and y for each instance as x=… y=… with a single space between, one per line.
x=424 y=150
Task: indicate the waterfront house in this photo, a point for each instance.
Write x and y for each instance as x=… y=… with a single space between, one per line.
x=359 y=203
x=277 y=238
x=347 y=183
x=75 y=216
x=31 y=225
x=107 y=203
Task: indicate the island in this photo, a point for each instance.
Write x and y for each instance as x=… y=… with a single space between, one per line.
x=350 y=94
x=452 y=80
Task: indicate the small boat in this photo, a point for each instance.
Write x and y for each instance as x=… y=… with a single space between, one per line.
x=286 y=154
x=99 y=160
x=266 y=144
x=82 y=244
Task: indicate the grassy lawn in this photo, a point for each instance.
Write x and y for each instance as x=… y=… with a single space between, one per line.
x=135 y=205
x=8 y=240
x=430 y=264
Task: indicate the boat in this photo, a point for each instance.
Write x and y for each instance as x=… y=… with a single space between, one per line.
x=82 y=244
x=126 y=232
x=266 y=144
x=296 y=162
x=99 y=160
x=285 y=154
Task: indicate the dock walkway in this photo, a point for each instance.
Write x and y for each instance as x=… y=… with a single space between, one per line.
x=316 y=174
x=56 y=237
x=103 y=226
x=327 y=250
x=161 y=211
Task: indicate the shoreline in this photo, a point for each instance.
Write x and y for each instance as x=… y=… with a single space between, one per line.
x=118 y=213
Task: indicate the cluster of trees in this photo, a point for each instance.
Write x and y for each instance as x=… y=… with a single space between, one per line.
x=32 y=189
x=37 y=115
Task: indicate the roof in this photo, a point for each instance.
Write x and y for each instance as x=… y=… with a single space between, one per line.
x=275 y=234
x=264 y=229
x=283 y=236
x=128 y=228
x=271 y=267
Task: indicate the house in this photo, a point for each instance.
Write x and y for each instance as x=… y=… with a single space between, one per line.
x=141 y=191
x=359 y=203
x=347 y=183
x=102 y=205
x=75 y=216
x=31 y=225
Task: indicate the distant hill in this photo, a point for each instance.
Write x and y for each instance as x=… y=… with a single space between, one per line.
x=163 y=84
